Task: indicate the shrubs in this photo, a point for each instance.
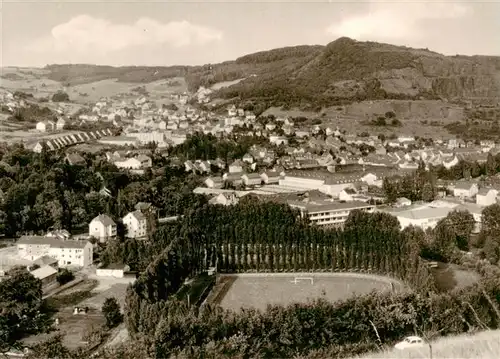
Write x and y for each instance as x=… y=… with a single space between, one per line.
x=64 y=276
x=60 y=96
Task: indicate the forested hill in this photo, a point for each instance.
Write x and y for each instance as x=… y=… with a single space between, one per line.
x=343 y=70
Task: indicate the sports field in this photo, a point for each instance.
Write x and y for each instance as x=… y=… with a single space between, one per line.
x=260 y=290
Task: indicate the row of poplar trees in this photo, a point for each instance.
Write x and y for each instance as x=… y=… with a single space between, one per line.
x=253 y=236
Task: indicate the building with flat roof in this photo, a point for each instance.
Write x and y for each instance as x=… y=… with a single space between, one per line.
x=330 y=214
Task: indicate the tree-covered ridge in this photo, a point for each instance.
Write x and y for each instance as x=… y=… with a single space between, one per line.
x=313 y=76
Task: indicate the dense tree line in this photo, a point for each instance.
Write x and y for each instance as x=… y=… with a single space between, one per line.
x=42 y=191
x=332 y=329
x=317 y=330
x=21 y=308
x=32 y=113
x=417 y=186
x=263 y=237
x=199 y=146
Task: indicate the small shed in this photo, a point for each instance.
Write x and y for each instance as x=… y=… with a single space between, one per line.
x=46 y=274
x=402 y=202
x=113 y=270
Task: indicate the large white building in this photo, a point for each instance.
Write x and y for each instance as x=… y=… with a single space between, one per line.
x=130 y=163
x=67 y=252
x=136 y=224
x=331 y=214
x=486 y=197
x=330 y=185
x=102 y=227
x=425 y=217
x=465 y=189
x=147 y=137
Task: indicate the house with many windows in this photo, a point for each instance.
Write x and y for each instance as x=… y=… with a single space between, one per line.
x=102 y=227
x=67 y=252
x=328 y=213
x=136 y=224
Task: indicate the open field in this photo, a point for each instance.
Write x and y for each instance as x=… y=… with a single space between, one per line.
x=29 y=80
x=117 y=290
x=158 y=91
x=35 y=81
x=14 y=134
x=223 y=84
x=260 y=290
x=484 y=345
x=90 y=293
x=418 y=118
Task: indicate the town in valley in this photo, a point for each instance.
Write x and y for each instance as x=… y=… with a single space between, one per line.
x=312 y=201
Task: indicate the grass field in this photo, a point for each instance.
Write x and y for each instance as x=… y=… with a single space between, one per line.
x=35 y=81
x=484 y=345
x=415 y=116
x=260 y=290
x=116 y=290
x=89 y=293
x=223 y=84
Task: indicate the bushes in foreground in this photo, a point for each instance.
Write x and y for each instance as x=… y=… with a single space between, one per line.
x=337 y=329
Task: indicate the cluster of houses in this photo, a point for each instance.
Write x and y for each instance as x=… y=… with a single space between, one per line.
x=103 y=227
x=56 y=249
x=50 y=126
x=134 y=162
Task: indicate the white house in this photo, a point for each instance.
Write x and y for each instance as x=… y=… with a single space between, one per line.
x=225 y=199
x=112 y=270
x=45 y=126
x=465 y=190
x=136 y=224
x=236 y=166
x=402 y=202
x=38 y=147
x=251 y=179
x=102 y=227
x=424 y=218
x=346 y=195
x=248 y=158
x=486 y=197
x=214 y=182
x=60 y=124
x=129 y=163
x=270 y=177
x=67 y=252
x=278 y=140
x=146 y=161
x=370 y=179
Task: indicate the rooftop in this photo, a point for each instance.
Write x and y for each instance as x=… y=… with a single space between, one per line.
x=104 y=219
x=326 y=206
x=424 y=213
x=51 y=241
x=44 y=272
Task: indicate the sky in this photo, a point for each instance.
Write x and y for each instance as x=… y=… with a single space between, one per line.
x=192 y=33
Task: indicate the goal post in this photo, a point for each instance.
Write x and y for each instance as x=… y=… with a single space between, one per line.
x=299 y=279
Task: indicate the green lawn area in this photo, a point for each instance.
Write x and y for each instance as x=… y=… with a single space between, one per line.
x=197 y=290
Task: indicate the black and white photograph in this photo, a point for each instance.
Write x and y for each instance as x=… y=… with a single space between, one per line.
x=249 y=179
